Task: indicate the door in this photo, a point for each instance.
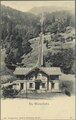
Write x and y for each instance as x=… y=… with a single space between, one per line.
x=37 y=85
x=21 y=86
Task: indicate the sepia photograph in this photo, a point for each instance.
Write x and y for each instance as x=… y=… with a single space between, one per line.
x=37 y=75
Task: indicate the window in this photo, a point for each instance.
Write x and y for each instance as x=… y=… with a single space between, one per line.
x=21 y=77
x=52 y=85
x=22 y=86
x=17 y=76
x=43 y=85
x=54 y=77
x=14 y=84
x=30 y=85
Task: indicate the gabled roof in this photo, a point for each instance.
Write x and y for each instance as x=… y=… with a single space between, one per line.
x=22 y=70
x=47 y=70
x=51 y=70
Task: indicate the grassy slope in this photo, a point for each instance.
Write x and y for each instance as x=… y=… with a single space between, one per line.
x=31 y=59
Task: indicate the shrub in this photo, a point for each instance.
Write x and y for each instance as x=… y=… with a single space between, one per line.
x=67 y=92
x=9 y=92
x=67 y=87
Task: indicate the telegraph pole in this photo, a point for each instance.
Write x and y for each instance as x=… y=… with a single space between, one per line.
x=41 y=42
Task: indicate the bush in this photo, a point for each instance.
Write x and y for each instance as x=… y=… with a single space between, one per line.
x=67 y=87
x=9 y=92
x=67 y=92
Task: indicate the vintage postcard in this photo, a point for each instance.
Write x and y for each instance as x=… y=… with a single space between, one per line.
x=37 y=60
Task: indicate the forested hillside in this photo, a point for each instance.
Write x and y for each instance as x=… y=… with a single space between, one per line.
x=17 y=29
x=20 y=38
x=27 y=24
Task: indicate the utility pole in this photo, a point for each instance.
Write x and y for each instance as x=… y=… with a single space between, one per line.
x=41 y=43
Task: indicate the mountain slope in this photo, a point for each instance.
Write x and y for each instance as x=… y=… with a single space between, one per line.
x=25 y=22
x=47 y=9
x=26 y=26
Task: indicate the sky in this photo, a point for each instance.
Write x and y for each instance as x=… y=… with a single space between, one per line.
x=27 y=5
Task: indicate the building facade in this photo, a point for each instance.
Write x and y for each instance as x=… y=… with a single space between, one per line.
x=37 y=79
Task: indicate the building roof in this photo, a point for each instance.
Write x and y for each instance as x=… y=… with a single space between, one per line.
x=51 y=70
x=22 y=70
x=47 y=70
